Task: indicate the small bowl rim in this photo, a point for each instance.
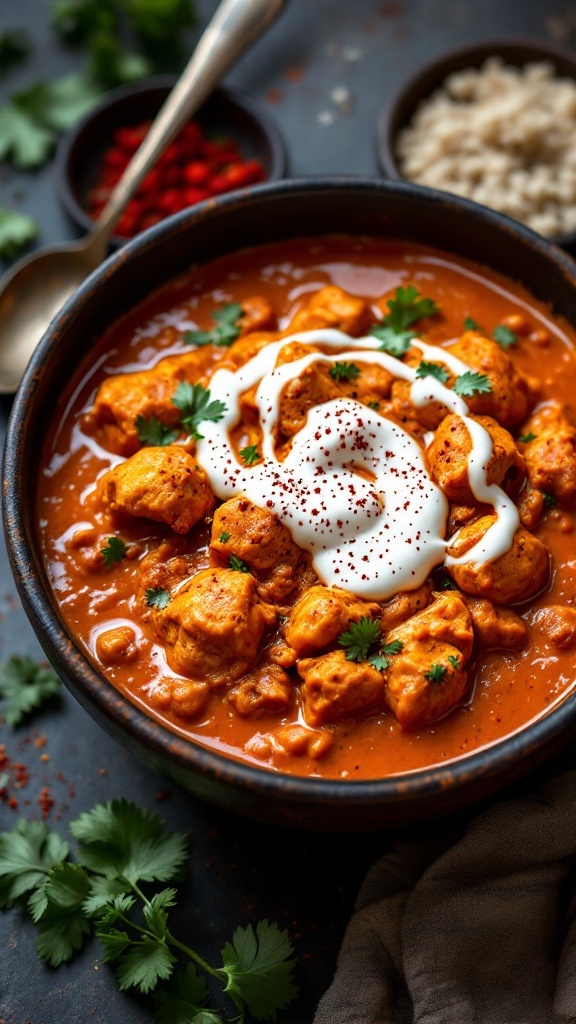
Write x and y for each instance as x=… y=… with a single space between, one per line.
x=437 y=69
x=236 y=100
x=105 y=702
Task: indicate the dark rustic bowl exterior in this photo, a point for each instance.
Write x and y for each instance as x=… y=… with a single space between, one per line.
x=400 y=106
x=225 y=112
x=267 y=213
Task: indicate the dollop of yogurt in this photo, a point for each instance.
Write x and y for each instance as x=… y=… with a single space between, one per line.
x=354 y=489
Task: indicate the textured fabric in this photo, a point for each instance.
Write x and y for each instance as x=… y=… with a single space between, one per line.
x=477 y=928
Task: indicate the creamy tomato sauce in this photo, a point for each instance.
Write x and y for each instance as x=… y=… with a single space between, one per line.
x=504 y=689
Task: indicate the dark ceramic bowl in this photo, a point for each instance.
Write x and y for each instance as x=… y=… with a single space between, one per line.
x=400 y=106
x=225 y=113
x=265 y=214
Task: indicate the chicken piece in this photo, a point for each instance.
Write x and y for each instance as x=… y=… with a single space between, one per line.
x=403 y=606
x=189 y=698
x=264 y=690
x=513 y=393
x=447 y=621
x=294 y=350
x=245 y=348
x=495 y=627
x=517 y=575
x=166 y=567
x=551 y=455
x=122 y=398
x=530 y=507
x=117 y=646
x=321 y=614
x=416 y=418
x=313 y=387
x=450 y=450
x=558 y=623
x=261 y=540
x=257 y=315
x=333 y=307
x=424 y=681
x=373 y=383
x=164 y=484
x=335 y=688
x=213 y=627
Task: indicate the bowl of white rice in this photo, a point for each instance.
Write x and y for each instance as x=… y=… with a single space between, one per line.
x=495 y=123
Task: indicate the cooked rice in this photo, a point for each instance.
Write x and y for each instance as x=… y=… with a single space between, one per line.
x=503 y=136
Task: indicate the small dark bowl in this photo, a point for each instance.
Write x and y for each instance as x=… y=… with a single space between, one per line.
x=400 y=106
x=267 y=213
x=224 y=113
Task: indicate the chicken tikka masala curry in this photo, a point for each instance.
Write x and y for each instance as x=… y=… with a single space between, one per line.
x=313 y=506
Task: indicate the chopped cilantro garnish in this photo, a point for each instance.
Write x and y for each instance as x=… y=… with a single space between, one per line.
x=454 y=661
x=345 y=371
x=359 y=638
x=237 y=565
x=374 y=405
x=432 y=370
x=224 y=537
x=194 y=401
x=250 y=454
x=504 y=337
x=526 y=438
x=549 y=500
x=16 y=230
x=436 y=673
x=24 y=686
x=154 y=433
x=226 y=330
x=157 y=597
x=469 y=383
x=470 y=324
x=404 y=309
x=114 y=551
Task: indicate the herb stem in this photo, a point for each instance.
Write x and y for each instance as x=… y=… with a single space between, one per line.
x=173 y=941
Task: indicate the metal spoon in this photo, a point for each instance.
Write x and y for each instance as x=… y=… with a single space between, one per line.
x=36 y=288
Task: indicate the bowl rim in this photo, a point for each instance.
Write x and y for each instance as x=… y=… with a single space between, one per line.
x=431 y=73
x=104 y=699
x=236 y=100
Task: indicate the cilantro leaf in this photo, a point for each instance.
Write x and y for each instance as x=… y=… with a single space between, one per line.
x=454 y=661
x=154 y=433
x=394 y=647
x=470 y=324
x=259 y=970
x=23 y=141
x=114 y=942
x=407 y=306
x=30 y=121
x=432 y=370
x=526 y=438
x=345 y=371
x=380 y=660
x=63 y=925
x=143 y=964
x=396 y=343
x=469 y=383
x=360 y=637
x=24 y=686
x=157 y=597
x=114 y=551
x=504 y=337
x=374 y=405
x=237 y=565
x=436 y=673
x=14 y=48
x=194 y=402
x=250 y=454
x=226 y=330
x=16 y=230
x=549 y=500
x=120 y=838
x=26 y=855
x=185 y=1001
x=224 y=537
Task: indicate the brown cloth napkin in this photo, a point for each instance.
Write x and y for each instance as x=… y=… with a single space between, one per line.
x=473 y=928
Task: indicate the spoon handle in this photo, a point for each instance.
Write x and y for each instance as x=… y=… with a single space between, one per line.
x=235 y=25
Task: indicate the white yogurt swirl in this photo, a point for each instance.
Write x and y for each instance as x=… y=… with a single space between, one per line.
x=354 y=490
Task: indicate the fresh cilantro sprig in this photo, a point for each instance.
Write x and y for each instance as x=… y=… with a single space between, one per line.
x=250 y=454
x=16 y=231
x=157 y=597
x=405 y=308
x=363 y=642
x=470 y=324
x=469 y=383
x=345 y=371
x=432 y=370
x=121 y=848
x=114 y=551
x=504 y=337
x=526 y=438
x=24 y=687
x=154 y=433
x=237 y=565
x=34 y=117
x=224 y=537
x=227 y=328
x=194 y=402
x=436 y=673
